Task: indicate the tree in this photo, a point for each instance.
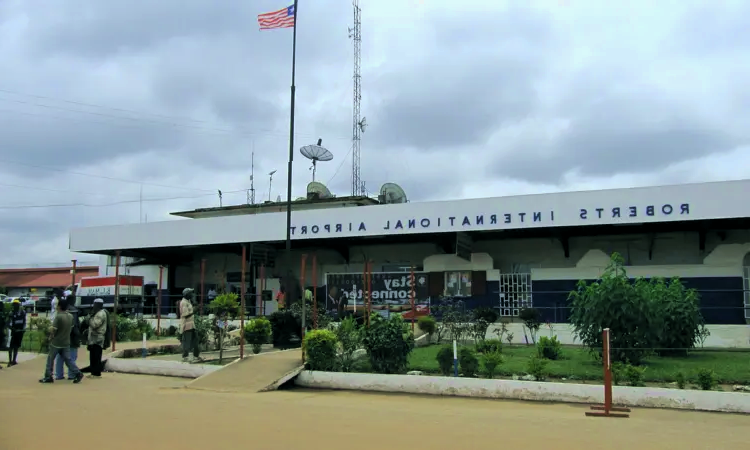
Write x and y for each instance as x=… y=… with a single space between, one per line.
x=643 y=316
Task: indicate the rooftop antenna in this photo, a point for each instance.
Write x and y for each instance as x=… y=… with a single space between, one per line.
x=358 y=124
x=251 y=194
x=220 y=202
x=315 y=153
x=270 y=183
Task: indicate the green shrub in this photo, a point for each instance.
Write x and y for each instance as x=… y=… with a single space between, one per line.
x=618 y=373
x=285 y=326
x=320 y=349
x=42 y=325
x=490 y=346
x=172 y=330
x=641 y=315
x=225 y=305
x=532 y=321
x=388 y=343
x=680 y=379
x=634 y=374
x=490 y=361
x=537 y=367
x=467 y=360
x=445 y=360
x=427 y=324
x=257 y=333
x=706 y=379
x=350 y=339
x=549 y=348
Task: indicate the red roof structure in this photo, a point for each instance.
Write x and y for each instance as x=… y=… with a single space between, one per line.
x=44 y=277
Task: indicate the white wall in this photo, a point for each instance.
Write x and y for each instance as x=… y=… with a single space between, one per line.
x=674 y=254
x=149 y=273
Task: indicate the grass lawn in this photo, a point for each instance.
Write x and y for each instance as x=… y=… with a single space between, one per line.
x=731 y=367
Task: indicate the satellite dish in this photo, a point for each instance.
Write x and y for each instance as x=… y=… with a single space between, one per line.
x=317 y=190
x=391 y=193
x=316 y=153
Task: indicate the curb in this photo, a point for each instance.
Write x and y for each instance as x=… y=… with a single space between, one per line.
x=528 y=390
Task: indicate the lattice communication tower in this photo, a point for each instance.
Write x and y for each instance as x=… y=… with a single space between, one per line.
x=358 y=123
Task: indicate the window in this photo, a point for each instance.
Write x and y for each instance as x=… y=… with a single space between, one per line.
x=515 y=293
x=458 y=284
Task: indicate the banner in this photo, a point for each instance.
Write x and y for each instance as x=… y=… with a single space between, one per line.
x=390 y=292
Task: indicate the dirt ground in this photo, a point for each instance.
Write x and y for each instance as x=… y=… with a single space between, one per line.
x=142 y=412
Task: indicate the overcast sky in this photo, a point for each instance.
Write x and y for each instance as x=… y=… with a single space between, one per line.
x=102 y=99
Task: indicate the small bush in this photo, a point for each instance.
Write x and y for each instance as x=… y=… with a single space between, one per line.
x=706 y=379
x=680 y=379
x=445 y=360
x=225 y=305
x=172 y=330
x=320 y=348
x=537 y=367
x=490 y=361
x=467 y=360
x=427 y=324
x=549 y=348
x=350 y=338
x=285 y=326
x=618 y=373
x=634 y=374
x=257 y=333
x=490 y=346
x=388 y=343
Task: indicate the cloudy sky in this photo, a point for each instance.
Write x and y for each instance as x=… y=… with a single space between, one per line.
x=103 y=100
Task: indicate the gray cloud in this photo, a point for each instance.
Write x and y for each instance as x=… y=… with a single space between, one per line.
x=178 y=94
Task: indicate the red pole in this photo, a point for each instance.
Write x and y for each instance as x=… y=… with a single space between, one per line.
x=242 y=302
x=117 y=297
x=203 y=280
x=73 y=275
x=411 y=300
x=158 y=301
x=315 y=290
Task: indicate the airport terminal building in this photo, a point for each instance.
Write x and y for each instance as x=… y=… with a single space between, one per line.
x=503 y=252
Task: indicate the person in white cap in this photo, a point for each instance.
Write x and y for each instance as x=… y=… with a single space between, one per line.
x=97 y=337
x=187 y=326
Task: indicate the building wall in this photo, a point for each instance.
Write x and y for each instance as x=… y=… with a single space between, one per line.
x=717 y=272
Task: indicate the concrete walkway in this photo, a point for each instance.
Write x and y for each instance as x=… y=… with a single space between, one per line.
x=252 y=374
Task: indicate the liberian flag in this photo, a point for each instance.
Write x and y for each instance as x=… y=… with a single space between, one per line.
x=283 y=18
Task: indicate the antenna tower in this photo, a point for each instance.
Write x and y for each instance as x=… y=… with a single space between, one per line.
x=251 y=193
x=358 y=124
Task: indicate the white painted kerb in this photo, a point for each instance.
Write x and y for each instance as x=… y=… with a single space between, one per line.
x=157 y=367
x=527 y=390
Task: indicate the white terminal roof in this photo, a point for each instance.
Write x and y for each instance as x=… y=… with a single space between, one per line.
x=688 y=202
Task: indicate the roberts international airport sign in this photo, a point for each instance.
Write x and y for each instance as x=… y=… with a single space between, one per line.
x=719 y=200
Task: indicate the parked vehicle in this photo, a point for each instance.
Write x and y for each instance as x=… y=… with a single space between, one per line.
x=130 y=298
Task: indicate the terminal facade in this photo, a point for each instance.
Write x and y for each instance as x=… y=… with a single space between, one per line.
x=506 y=252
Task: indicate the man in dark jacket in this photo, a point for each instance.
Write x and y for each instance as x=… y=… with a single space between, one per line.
x=17 y=328
x=75 y=342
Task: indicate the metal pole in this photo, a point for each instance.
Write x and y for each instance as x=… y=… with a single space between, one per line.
x=261 y=302
x=364 y=296
x=242 y=302
x=302 y=283
x=203 y=282
x=117 y=297
x=158 y=301
x=291 y=147
x=315 y=290
x=369 y=291
x=411 y=299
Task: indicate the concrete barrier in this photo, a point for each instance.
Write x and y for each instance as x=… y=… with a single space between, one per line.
x=158 y=367
x=528 y=390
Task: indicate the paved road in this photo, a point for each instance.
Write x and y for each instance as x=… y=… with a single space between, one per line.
x=130 y=411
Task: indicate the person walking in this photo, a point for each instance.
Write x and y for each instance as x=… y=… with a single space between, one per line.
x=97 y=337
x=60 y=344
x=75 y=342
x=17 y=329
x=187 y=325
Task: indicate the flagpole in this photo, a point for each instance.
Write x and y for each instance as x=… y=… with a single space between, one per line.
x=291 y=154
